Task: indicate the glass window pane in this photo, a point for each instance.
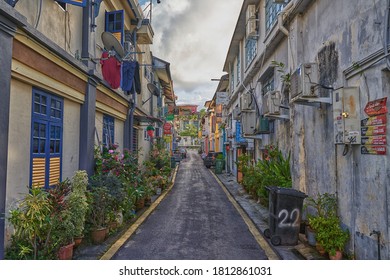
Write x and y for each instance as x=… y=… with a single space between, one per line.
x=43 y=99
x=57 y=147
x=42 y=144
x=37 y=108
x=118 y=16
x=42 y=130
x=43 y=109
x=118 y=26
x=36 y=130
x=52 y=146
x=37 y=98
x=35 y=145
x=58 y=132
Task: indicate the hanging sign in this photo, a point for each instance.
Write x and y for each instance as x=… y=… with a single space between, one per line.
x=222 y=98
x=373 y=150
x=376 y=107
x=373 y=130
x=170 y=117
x=167 y=128
x=375 y=120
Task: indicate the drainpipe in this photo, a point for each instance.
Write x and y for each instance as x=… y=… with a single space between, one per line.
x=280 y=17
x=133 y=100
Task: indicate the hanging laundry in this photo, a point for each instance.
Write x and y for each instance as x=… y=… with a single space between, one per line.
x=111 y=69
x=128 y=70
x=137 y=79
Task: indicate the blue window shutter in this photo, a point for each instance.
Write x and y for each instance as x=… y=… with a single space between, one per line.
x=81 y=3
x=115 y=24
x=46 y=139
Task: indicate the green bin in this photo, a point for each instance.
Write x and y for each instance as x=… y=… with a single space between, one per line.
x=219 y=166
x=173 y=162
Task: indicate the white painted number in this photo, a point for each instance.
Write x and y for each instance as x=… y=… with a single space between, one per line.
x=284 y=215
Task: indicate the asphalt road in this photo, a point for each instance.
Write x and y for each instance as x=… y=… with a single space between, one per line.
x=196 y=221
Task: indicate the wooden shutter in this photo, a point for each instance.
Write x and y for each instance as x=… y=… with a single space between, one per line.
x=54 y=173
x=38 y=172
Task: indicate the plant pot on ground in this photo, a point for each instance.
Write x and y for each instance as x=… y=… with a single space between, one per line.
x=98 y=198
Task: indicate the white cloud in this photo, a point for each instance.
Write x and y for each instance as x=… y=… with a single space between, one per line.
x=194 y=36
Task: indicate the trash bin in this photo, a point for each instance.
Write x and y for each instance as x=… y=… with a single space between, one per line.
x=285 y=213
x=218 y=166
x=173 y=162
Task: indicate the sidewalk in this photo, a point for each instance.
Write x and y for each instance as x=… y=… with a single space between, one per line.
x=259 y=216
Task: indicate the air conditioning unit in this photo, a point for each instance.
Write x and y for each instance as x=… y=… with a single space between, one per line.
x=251 y=27
x=236 y=113
x=271 y=103
x=304 y=81
x=250 y=12
x=248 y=122
x=247 y=102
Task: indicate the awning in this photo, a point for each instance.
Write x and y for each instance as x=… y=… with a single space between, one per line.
x=147 y=118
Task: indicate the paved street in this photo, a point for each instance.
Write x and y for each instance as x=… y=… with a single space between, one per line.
x=195 y=221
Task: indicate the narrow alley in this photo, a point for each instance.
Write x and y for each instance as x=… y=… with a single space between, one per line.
x=195 y=221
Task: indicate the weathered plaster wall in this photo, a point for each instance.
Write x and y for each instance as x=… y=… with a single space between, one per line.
x=61 y=27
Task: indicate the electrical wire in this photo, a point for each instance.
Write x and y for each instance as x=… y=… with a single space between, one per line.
x=39 y=12
x=386 y=35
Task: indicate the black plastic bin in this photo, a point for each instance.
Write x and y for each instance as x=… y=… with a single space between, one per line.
x=285 y=213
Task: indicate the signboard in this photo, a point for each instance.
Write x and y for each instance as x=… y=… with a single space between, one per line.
x=373 y=130
x=167 y=128
x=376 y=107
x=239 y=138
x=170 y=117
x=167 y=138
x=222 y=98
x=373 y=150
x=375 y=120
x=374 y=140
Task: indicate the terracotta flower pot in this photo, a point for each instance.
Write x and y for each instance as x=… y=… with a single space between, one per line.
x=77 y=240
x=337 y=256
x=98 y=235
x=66 y=252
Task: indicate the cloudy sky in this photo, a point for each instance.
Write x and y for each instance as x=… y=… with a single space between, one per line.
x=194 y=37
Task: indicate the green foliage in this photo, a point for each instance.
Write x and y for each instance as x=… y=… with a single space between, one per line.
x=280 y=67
x=329 y=233
x=78 y=201
x=326 y=223
x=32 y=224
x=274 y=170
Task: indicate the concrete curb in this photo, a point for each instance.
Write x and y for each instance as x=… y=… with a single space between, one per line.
x=119 y=243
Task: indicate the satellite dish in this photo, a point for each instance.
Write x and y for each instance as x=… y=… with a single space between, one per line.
x=153 y=89
x=112 y=43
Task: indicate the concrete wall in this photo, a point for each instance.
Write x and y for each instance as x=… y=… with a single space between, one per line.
x=335 y=35
x=62 y=27
x=71 y=134
x=19 y=144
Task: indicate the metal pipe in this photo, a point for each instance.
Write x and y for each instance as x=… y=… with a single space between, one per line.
x=378 y=234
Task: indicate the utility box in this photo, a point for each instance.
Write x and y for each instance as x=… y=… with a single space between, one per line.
x=346 y=111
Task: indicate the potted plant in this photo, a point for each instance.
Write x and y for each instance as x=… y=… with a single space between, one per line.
x=330 y=235
x=98 y=198
x=63 y=229
x=318 y=208
x=32 y=224
x=78 y=204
